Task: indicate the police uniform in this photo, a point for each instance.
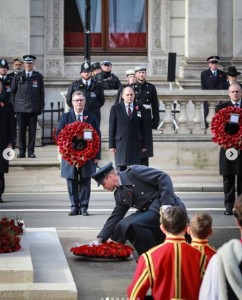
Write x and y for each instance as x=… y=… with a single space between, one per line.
x=6 y=82
x=108 y=80
x=145 y=189
x=211 y=82
x=94 y=93
x=146 y=95
x=28 y=97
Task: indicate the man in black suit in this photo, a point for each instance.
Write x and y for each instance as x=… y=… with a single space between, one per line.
x=146 y=189
x=211 y=79
x=93 y=91
x=229 y=169
x=79 y=179
x=127 y=131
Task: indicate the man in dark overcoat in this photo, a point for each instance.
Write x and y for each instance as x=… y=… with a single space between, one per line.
x=79 y=179
x=127 y=131
x=146 y=189
x=7 y=137
x=93 y=90
x=146 y=95
x=229 y=169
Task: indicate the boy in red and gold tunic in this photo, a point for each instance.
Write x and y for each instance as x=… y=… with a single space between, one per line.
x=200 y=229
x=174 y=269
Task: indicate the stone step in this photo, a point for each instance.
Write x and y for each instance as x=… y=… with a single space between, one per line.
x=52 y=278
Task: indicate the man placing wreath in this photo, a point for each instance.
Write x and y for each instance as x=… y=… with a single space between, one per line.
x=229 y=136
x=78 y=138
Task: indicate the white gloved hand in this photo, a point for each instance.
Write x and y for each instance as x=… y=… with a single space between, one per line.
x=94 y=243
x=164 y=208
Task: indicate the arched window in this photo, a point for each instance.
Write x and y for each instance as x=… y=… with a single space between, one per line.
x=117 y=26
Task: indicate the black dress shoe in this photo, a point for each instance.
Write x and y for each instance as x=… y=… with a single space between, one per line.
x=228 y=212
x=21 y=155
x=73 y=213
x=32 y=155
x=85 y=213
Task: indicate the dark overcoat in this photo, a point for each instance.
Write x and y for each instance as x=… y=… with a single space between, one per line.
x=143 y=188
x=89 y=168
x=127 y=135
x=146 y=95
x=211 y=82
x=229 y=167
x=7 y=132
x=28 y=94
x=6 y=90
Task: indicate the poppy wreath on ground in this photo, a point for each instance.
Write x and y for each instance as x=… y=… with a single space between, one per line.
x=104 y=250
x=10 y=232
x=227 y=134
x=77 y=154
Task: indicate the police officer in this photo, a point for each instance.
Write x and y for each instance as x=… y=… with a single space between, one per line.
x=6 y=80
x=93 y=91
x=146 y=189
x=28 y=97
x=146 y=95
x=108 y=80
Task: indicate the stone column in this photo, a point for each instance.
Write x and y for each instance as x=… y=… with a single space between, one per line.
x=15 y=28
x=200 y=17
x=237 y=33
x=54 y=43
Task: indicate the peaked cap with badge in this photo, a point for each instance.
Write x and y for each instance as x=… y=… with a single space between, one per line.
x=102 y=173
x=29 y=59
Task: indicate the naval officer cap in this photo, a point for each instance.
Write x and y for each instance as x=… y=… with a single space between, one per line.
x=139 y=68
x=29 y=59
x=213 y=58
x=3 y=63
x=130 y=72
x=102 y=173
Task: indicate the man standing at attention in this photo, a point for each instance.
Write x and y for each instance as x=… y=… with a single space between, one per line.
x=211 y=79
x=79 y=179
x=28 y=97
x=127 y=131
x=229 y=169
x=146 y=95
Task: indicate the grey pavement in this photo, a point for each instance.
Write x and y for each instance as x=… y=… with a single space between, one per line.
x=42 y=174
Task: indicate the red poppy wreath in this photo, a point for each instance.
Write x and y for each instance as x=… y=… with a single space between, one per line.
x=104 y=250
x=73 y=147
x=225 y=133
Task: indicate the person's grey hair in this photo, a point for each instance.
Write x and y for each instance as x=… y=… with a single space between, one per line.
x=77 y=93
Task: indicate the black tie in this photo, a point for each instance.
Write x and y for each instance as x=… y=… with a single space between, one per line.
x=78 y=117
x=236 y=105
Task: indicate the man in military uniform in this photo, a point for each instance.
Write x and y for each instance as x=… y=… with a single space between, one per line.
x=6 y=80
x=131 y=80
x=93 y=91
x=108 y=80
x=211 y=79
x=28 y=97
x=146 y=95
x=144 y=188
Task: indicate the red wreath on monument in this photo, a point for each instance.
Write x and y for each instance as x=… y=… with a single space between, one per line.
x=104 y=250
x=73 y=155
x=225 y=134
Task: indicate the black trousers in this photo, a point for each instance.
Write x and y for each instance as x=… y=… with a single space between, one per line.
x=27 y=120
x=2 y=183
x=229 y=190
x=143 y=233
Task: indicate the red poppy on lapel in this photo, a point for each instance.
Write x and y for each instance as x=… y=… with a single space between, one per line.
x=85 y=118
